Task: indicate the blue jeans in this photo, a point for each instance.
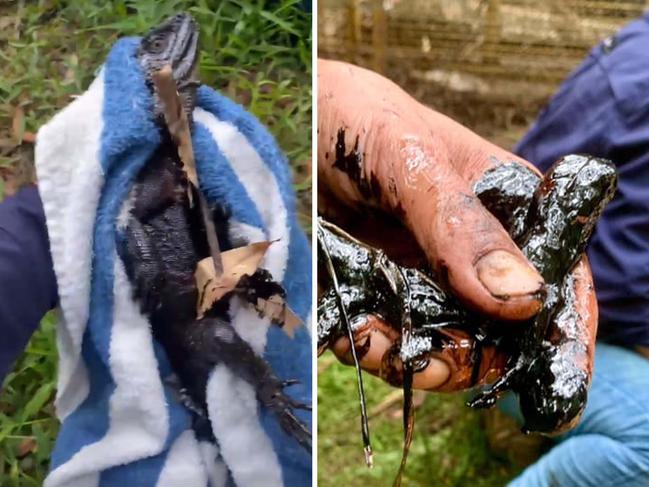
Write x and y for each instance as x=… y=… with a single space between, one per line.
x=610 y=446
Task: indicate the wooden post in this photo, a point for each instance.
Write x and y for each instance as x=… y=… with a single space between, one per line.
x=379 y=37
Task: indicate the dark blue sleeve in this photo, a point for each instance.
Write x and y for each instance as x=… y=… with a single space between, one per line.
x=603 y=109
x=27 y=281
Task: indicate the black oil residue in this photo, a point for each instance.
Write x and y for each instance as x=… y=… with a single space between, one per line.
x=507 y=191
x=351 y=163
x=551 y=219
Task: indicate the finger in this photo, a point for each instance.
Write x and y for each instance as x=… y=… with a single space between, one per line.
x=451 y=369
x=374 y=340
x=586 y=308
x=466 y=366
x=466 y=243
x=466 y=372
x=470 y=250
x=471 y=155
x=566 y=359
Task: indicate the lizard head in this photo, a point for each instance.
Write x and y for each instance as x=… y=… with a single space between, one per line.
x=174 y=43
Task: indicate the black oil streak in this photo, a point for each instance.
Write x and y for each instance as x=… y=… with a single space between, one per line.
x=392 y=188
x=352 y=164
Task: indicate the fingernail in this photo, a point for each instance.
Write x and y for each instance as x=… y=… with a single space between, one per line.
x=506 y=275
x=379 y=345
x=434 y=375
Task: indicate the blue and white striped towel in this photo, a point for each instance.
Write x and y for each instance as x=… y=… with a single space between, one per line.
x=121 y=425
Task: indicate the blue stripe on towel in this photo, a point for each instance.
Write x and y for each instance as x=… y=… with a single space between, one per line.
x=218 y=180
x=297 y=280
x=89 y=422
x=129 y=125
x=299 y=271
x=295 y=462
x=129 y=138
x=145 y=472
x=128 y=108
x=258 y=136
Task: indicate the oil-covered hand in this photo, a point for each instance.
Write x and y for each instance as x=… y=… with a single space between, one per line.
x=381 y=153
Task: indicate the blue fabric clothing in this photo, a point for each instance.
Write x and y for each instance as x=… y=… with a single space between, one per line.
x=27 y=282
x=603 y=109
x=610 y=446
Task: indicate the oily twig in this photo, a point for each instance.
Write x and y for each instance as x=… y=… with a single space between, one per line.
x=178 y=126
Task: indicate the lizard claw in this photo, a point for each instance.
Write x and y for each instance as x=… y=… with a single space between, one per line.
x=300 y=405
x=296 y=428
x=271 y=395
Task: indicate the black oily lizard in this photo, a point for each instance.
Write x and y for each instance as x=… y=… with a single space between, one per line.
x=551 y=220
x=164 y=239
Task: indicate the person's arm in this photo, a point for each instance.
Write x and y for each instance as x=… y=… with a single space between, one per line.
x=27 y=281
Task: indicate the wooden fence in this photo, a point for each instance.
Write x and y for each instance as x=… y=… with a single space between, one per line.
x=489 y=63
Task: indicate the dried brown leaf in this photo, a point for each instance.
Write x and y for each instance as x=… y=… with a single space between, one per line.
x=26 y=446
x=272 y=308
x=18 y=124
x=276 y=309
x=178 y=126
x=239 y=262
x=176 y=119
x=236 y=264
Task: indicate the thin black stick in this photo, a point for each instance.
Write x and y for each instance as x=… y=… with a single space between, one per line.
x=210 y=231
x=401 y=287
x=365 y=428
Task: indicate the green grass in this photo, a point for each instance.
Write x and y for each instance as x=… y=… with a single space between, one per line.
x=256 y=52
x=449 y=446
x=27 y=424
x=261 y=57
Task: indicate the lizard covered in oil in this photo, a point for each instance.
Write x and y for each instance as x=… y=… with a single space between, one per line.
x=165 y=238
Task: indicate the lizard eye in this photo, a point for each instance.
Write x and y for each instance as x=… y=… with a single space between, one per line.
x=155 y=45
